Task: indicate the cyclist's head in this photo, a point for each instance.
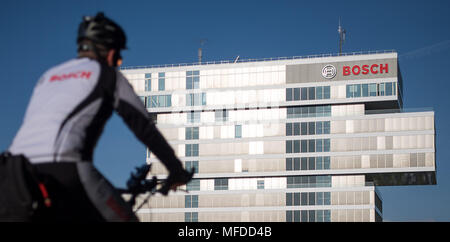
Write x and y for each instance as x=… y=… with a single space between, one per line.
x=99 y=35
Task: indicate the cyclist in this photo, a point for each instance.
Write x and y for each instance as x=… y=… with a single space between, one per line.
x=67 y=112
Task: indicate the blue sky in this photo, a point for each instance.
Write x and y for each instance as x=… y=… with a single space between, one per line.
x=35 y=35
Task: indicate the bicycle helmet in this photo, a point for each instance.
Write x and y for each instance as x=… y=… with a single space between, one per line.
x=102 y=30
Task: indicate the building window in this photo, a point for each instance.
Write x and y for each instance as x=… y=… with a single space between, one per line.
x=381 y=91
x=289 y=164
x=312 y=145
x=289 y=216
x=289 y=199
x=193 y=117
x=192 y=79
x=296 y=94
x=296 y=216
x=307 y=146
x=307 y=198
x=296 y=144
x=388 y=89
x=159 y=101
x=326 y=127
x=311 y=128
x=326 y=92
x=260 y=184
x=319 y=93
x=221 y=115
x=288 y=146
x=193 y=185
x=221 y=184
x=295 y=164
x=161 y=81
x=143 y=99
x=311 y=198
x=308 y=216
x=311 y=93
x=304 y=146
x=365 y=90
x=195 y=99
x=326 y=145
x=191 y=150
x=189 y=165
x=148 y=85
x=308 y=128
x=303 y=129
x=319 y=127
x=289 y=94
x=191 y=133
x=289 y=129
x=354 y=90
x=308 y=163
x=307 y=93
x=191 y=217
x=191 y=201
x=238 y=131
x=319 y=197
x=308 y=111
x=303 y=93
x=148 y=82
x=326 y=163
x=371 y=90
x=308 y=181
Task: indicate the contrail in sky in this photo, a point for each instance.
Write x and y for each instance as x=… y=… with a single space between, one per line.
x=424 y=51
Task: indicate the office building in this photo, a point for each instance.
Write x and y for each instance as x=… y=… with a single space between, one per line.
x=299 y=139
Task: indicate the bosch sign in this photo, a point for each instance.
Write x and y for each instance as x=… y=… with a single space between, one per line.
x=365 y=69
x=342 y=70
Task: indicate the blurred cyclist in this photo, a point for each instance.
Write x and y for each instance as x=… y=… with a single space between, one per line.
x=66 y=116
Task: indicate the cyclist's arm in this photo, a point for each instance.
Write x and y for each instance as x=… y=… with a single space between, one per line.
x=130 y=107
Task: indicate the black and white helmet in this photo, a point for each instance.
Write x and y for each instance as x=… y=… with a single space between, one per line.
x=102 y=30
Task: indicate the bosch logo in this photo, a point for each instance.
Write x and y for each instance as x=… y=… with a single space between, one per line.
x=365 y=69
x=329 y=71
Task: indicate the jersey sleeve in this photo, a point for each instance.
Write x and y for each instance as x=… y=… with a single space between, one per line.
x=130 y=107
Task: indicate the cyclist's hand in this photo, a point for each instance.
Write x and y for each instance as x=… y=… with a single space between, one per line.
x=176 y=179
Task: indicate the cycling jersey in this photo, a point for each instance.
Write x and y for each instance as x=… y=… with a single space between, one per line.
x=69 y=108
x=67 y=112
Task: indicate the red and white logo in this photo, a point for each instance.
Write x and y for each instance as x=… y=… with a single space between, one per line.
x=365 y=69
x=75 y=75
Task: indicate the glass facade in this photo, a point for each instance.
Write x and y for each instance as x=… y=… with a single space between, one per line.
x=308 y=163
x=307 y=128
x=307 y=93
x=159 y=101
x=371 y=89
x=307 y=146
x=309 y=111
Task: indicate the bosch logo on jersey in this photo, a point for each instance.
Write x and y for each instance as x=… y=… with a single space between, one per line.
x=75 y=75
x=365 y=69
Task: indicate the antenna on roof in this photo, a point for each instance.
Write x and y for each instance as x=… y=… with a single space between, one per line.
x=341 y=32
x=200 y=51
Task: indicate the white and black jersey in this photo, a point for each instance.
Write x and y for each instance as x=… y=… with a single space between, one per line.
x=69 y=108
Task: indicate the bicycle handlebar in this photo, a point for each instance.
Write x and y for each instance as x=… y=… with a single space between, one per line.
x=139 y=184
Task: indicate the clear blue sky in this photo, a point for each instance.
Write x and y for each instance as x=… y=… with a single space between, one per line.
x=35 y=35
